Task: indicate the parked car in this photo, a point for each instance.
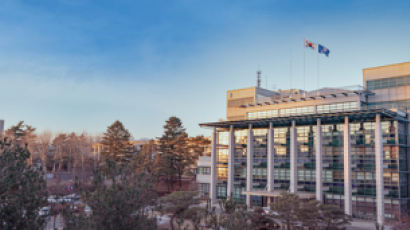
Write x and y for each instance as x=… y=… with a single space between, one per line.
x=44 y=211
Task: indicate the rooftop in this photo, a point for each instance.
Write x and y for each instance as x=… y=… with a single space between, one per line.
x=300 y=95
x=326 y=118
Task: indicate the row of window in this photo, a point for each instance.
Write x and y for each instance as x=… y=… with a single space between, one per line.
x=388 y=82
x=336 y=107
x=203 y=170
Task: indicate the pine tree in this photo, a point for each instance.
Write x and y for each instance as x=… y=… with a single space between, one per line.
x=22 y=189
x=174 y=155
x=123 y=204
x=117 y=145
x=22 y=135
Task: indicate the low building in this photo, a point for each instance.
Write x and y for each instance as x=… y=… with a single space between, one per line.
x=203 y=176
x=344 y=146
x=1 y=127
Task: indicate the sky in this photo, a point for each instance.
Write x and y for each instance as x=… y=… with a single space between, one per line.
x=79 y=65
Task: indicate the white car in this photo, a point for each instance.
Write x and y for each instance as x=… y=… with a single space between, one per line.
x=44 y=211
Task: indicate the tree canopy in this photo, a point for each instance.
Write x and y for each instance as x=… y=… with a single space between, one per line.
x=292 y=212
x=22 y=189
x=117 y=145
x=174 y=157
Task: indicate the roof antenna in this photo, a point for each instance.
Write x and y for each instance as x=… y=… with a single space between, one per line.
x=258 y=80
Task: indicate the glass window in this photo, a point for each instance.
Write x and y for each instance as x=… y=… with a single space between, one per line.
x=388 y=82
x=203 y=170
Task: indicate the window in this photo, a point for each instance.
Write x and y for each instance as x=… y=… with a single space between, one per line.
x=263 y=114
x=203 y=189
x=388 y=82
x=203 y=170
x=338 y=107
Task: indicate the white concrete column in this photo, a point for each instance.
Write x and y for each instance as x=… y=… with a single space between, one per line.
x=231 y=161
x=319 y=162
x=379 y=171
x=293 y=159
x=213 y=167
x=270 y=158
x=249 y=165
x=347 y=168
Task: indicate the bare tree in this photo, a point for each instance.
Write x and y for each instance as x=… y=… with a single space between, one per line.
x=42 y=145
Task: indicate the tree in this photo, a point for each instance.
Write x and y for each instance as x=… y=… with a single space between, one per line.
x=234 y=215
x=403 y=222
x=122 y=204
x=333 y=217
x=198 y=146
x=117 y=145
x=60 y=155
x=211 y=218
x=292 y=211
x=286 y=208
x=309 y=214
x=260 y=221
x=42 y=145
x=23 y=135
x=195 y=215
x=178 y=205
x=144 y=161
x=22 y=189
x=174 y=156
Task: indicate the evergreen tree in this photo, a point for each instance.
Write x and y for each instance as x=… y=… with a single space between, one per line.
x=120 y=205
x=174 y=155
x=23 y=135
x=117 y=145
x=22 y=189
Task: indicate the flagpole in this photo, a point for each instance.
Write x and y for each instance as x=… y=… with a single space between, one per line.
x=290 y=71
x=317 y=72
x=304 y=67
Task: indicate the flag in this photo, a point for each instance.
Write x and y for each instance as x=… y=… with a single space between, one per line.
x=323 y=50
x=309 y=44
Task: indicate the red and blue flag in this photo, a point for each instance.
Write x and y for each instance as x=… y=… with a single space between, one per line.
x=309 y=44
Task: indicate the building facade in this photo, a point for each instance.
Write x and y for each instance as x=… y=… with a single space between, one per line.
x=1 y=127
x=203 y=176
x=343 y=146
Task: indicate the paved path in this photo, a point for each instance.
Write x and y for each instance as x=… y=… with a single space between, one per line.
x=59 y=223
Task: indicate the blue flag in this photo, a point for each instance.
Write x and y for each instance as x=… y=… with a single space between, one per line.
x=323 y=50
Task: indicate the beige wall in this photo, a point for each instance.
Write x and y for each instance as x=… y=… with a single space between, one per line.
x=387 y=71
x=236 y=98
x=401 y=93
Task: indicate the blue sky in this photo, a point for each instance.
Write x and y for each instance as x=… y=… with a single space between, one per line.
x=78 y=65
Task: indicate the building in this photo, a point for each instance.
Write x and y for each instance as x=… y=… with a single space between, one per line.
x=343 y=146
x=1 y=127
x=203 y=176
